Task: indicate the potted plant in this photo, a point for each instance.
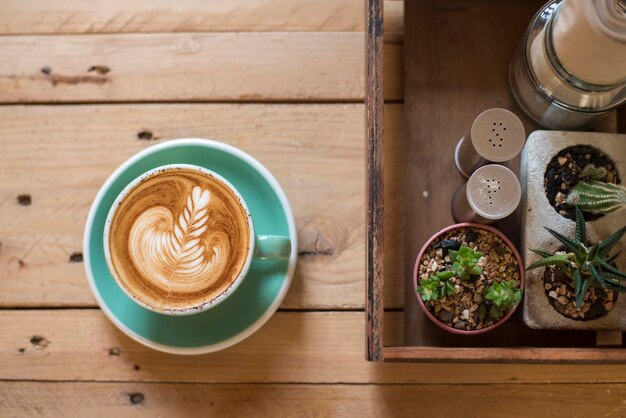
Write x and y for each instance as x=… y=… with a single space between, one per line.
x=559 y=172
x=581 y=280
x=574 y=165
x=468 y=278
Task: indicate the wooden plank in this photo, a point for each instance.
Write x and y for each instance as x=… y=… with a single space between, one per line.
x=313 y=347
x=455 y=67
x=374 y=182
x=507 y=354
x=395 y=216
x=61 y=155
x=189 y=67
x=45 y=399
x=119 y=16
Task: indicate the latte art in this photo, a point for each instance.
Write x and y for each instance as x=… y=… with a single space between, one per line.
x=173 y=253
x=178 y=239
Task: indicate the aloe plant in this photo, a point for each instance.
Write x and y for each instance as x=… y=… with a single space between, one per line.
x=585 y=264
x=465 y=262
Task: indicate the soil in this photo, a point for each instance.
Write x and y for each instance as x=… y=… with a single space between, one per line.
x=561 y=295
x=463 y=309
x=562 y=173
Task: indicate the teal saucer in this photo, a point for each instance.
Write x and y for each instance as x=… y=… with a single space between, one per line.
x=246 y=309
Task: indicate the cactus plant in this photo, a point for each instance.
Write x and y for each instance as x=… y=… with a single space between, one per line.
x=597 y=197
x=591 y=172
x=585 y=264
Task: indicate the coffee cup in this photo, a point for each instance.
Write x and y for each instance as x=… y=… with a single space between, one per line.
x=179 y=239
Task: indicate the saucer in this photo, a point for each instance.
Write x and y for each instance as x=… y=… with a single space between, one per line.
x=246 y=309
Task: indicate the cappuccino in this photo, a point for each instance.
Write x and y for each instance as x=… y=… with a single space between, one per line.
x=178 y=239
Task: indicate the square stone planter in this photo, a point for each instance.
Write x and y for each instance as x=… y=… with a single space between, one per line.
x=536 y=212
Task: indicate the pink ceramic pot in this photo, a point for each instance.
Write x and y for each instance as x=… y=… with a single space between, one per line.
x=419 y=259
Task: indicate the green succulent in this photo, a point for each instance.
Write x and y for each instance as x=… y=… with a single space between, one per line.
x=591 y=172
x=447 y=288
x=597 y=196
x=584 y=264
x=429 y=288
x=503 y=296
x=465 y=262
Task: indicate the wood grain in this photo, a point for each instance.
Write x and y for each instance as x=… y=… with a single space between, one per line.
x=314 y=347
x=61 y=155
x=374 y=183
x=45 y=399
x=119 y=16
x=189 y=67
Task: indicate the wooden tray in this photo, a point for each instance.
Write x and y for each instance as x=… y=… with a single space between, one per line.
x=456 y=55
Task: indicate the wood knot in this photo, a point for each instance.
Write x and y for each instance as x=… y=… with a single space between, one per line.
x=145 y=135
x=135 y=398
x=39 y=342
x=186 y=45
x=24 y=199
x=55 y=79
x=76 y=257
x=100 y=69
x=315 y=243
x=136 y=367
x=21 y=350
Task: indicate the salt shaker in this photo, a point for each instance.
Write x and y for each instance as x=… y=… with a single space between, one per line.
x=492 y=192
x=496 y=135
x=570 y=68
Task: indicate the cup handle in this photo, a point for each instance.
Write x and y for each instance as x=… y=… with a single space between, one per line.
x=272 y=247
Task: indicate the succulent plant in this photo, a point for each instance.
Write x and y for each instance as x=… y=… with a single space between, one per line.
x=597 y=197
x=429 y=288
x=465 y=262
x=583 y=263
x=503 y=296
x=591 y=172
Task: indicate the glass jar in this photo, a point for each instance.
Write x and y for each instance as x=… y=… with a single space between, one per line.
x=570 y=68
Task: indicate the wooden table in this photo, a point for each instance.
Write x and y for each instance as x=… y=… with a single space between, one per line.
x=84 y=85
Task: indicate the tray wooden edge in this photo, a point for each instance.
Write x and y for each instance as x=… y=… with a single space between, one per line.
x=506 y=355
x=374 y=102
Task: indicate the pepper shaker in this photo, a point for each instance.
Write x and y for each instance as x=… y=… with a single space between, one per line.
x=497 y=135
x=492 y=192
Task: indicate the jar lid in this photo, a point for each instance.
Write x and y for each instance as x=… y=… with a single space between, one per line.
x=608 y=16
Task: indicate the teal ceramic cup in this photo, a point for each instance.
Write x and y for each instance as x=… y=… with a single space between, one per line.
x=246 y=309
x=261 y=247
